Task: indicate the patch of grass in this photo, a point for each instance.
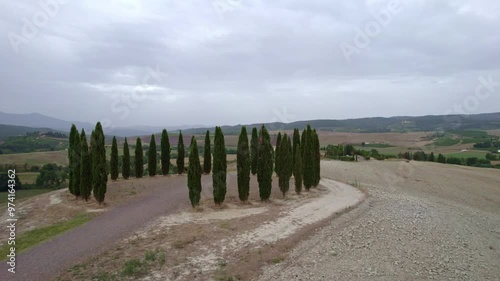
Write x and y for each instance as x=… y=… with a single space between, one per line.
x=36 y=158
x=378 y=145
x=467 y=154
x=472 y=134
x=134 y=267
x=445 y=141
x=28 y=177
x=277 y=260
x=34 y=237
x=22 y=194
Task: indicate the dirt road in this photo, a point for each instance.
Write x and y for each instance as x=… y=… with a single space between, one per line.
x=422 y=221
x=48 y=259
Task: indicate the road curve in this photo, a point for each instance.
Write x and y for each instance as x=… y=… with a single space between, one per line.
x=49 y=259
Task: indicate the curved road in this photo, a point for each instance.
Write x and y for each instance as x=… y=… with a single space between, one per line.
x=49 y=259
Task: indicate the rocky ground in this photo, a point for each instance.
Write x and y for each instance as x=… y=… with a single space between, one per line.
x=421 y=221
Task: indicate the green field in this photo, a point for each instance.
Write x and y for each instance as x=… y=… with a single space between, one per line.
x=467 y=154
x=471 y=134
x=35 y=158
x=28 y=177
x=445 y=141
x=22 y=195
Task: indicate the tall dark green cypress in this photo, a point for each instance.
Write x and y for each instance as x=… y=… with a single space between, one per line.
x=91 y=155
x=243 y=165
x=152 y=157
x=194 y=174
x=219 y=167
x=139 y=159
x=254 y=144
x=99 y=167
x=126 y=161
x=114 y=160
x=77 y=150
x=284 y=162
x=277 y=155
x=431 y=158
x=297 y=169
x=72 y=134
x=317 y=158
x=265 y=164
x=296 y=143
x=181 y=153
x=85 y=168
x=441 y=158
x=207 y=155
x=308 y=158
x=165 y=153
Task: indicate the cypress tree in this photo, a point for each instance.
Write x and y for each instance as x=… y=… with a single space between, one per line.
x=194 y=174
x=254 y=144
x=441 y=158
x=220 y=167
x=243 y=165
x=73 y=132
x=432 y=158
x=85 y=168
x=152 y=157
x=296 y=142
x=180 y=155
x=77 y=150
x=99 y=167
x=139 y=161
x=316 y=157
x=207 y=155
x=277 y=156
x=165 y=153
x=297 y=169
x=126 y=161
x=91 y=155
x=114 y=160
x=284 y=162
x=308 y=158
x=265 y=164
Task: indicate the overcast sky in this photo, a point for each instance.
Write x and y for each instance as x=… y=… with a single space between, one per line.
x=166 y=62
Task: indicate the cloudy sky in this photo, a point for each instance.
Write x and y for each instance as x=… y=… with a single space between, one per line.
x=166 y=62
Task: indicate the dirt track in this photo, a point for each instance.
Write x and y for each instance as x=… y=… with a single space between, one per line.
x=422 y=221
x=50 y=258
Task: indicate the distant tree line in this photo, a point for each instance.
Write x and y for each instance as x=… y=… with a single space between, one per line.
x=470 y=161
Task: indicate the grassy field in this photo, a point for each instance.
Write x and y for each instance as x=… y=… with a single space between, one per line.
x=22 y=194
x=38 y=235
x=28 y=177
x=35 y=158
x=445 y=141
x=468 y=154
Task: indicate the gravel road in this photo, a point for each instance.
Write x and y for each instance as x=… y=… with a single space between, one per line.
x=49 y=259
x=422 y=221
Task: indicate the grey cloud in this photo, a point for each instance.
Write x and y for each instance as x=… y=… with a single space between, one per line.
x=258 y=58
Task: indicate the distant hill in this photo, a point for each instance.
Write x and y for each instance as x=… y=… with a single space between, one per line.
x=486 y=121
x=37 y=121
x=12 y=131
